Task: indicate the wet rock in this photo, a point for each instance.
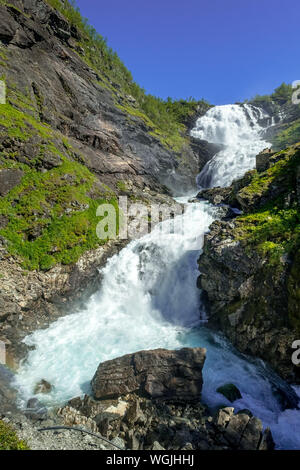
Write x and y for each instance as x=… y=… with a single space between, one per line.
x=230 y=391
x=43 y=387
x=215 y=195
x=161 y=374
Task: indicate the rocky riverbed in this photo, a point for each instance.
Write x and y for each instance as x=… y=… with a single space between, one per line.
x=153 y=403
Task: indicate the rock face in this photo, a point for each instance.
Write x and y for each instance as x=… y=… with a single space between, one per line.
x=249 y=265
x=159 y=374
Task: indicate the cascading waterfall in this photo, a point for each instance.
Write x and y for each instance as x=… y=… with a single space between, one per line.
x=149 y=299
x=237 y=129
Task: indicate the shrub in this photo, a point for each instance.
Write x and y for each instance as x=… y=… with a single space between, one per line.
x=9 y=440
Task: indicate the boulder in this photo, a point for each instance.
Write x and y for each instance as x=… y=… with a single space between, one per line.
x=43 y=387
x=159 y=374
x=230 y=391
x=243 y=431
x=9 y=179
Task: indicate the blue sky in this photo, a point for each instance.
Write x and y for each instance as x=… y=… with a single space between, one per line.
x=221 y=50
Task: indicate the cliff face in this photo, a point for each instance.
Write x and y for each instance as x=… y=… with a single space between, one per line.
x=284 y=126
x=48 y=79
x=250 y=265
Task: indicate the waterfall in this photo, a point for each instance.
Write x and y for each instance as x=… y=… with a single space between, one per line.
x=149 y=299
x=237 y=129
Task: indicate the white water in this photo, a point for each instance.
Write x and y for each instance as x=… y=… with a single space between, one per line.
x=237 y=129
x=149 y=299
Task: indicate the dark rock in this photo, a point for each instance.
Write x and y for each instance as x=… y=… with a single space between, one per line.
x=245 y=412
x=8 y=26
x=263 y=160
x=50 y=160
x=267 y=442
x=9 y=179
x=215 y=195
x=230 y=391
x=35 y=410
x=105 y=420
x=161 y=374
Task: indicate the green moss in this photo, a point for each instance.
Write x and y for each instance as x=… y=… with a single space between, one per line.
x=122 y=186
x=20 y=125
x=272 y=229
x=9 y=439
x=289 y=136
x=51 y=218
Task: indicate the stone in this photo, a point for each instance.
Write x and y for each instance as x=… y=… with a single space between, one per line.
x=9 y=178
x=263 y=159
x=156 y=446
x=223 y=416
x=159 y=374
x=35 y=410
x=134 y=414
x=230 y=391
x=43 y=387
x=72 y=417
x=235 y=428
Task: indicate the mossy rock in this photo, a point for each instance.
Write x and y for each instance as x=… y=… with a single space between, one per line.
x=230 y=391
x=9 y=439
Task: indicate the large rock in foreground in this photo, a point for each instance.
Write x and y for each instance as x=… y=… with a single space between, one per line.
x=160 y=374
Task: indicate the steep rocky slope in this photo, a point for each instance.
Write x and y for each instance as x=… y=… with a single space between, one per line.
x=283 y=110
x=250 y=264
x=71 y=138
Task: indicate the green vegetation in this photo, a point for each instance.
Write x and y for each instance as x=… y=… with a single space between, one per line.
x=280 y=96
x=289 y=136
x=165 y=119
x=9 y=440
x=274 y=228
x=51 y=216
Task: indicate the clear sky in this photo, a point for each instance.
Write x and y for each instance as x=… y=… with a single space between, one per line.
x=221 y=50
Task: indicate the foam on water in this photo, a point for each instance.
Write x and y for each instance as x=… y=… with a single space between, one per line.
x=237 y=129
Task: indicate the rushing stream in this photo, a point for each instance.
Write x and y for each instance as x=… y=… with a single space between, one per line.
x=149 y=299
